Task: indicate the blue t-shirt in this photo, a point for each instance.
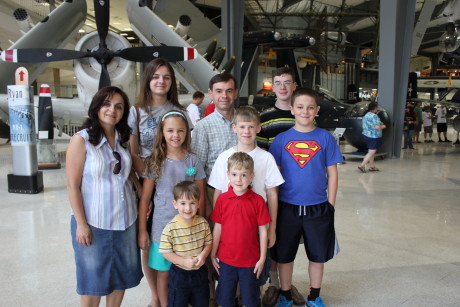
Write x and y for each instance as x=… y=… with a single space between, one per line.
x=303 y=158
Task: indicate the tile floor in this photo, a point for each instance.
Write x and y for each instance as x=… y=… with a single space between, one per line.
x=399 y=232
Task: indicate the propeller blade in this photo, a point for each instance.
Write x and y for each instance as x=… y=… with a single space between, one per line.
x=104 y=80
x=146 y=54
x=102 y=14
x=41 y=55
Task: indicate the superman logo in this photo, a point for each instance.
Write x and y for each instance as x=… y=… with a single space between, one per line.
x=302 y=151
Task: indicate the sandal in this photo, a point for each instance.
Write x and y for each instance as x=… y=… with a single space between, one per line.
x=362 y=169
x=373 y=169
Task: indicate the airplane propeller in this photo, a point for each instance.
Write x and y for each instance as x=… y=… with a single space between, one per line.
x=103 y=54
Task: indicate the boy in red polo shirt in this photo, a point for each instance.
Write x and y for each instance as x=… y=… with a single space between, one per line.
x=240 y=235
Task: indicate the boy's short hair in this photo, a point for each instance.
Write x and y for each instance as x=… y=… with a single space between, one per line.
x=304 y=91
x=197 y=95
x=246 y=114
x=285 y=70
x=225 y=77
x=187 y=189
x=240 y=160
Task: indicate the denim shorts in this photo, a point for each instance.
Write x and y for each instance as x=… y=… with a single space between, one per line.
x=373 y=143
x=111 y=262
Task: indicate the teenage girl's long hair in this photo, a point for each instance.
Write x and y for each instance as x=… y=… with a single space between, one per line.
x=93 y=125
x=155 y=161
x=145 y=96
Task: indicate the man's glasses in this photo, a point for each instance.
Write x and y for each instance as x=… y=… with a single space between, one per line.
x=279 y=83
x=117 y=167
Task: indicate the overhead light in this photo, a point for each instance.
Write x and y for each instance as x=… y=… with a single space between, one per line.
x=131 y=37
x=127 y=29
x=81 y=31
x=124 y=34
x=42 y=2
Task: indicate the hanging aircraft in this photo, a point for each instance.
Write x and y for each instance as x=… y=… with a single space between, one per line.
x=195 y=30
x=54 y=31
x=100 y=58
x=152 y=27
x=152 y=30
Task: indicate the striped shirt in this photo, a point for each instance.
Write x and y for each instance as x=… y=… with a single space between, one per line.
x=273 y=122
x=184 y=240
x=212 y=136
x=108 y=199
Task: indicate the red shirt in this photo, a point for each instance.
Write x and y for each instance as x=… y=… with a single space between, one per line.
x=240 y=217
x=209 y=109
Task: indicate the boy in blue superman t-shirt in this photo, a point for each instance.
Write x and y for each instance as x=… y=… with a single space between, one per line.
x=307 y=157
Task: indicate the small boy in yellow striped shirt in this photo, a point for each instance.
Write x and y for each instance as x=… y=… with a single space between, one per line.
x=186 y=241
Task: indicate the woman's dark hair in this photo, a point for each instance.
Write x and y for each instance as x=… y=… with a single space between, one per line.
x=93 y=125
x=145 y=95
x=372 y=106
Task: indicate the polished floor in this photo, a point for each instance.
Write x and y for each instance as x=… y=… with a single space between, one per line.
x=399 y=232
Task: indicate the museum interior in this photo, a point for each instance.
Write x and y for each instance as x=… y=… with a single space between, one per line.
x=397 y=227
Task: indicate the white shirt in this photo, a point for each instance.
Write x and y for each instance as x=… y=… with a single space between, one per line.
x=441 y=115
x=427 y=120
x=266 y=172
x=193 y=113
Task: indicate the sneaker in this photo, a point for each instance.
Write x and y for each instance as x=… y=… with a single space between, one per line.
x=271 y=296
x=316 y=303
x=296 y=296
x=284 y=302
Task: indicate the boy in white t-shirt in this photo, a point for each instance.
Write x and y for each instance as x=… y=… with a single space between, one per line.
x=427 y=125
x=246 y=124
x=193 y=109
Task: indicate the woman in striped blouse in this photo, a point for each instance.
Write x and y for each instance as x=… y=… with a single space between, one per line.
x=104 y=210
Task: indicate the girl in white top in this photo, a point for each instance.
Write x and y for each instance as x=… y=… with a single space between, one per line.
x=158 y=95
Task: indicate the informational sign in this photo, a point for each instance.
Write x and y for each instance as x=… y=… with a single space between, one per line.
x=25 y=178
x=21 y=115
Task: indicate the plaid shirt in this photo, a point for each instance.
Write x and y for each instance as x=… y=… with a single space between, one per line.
x=211 y=136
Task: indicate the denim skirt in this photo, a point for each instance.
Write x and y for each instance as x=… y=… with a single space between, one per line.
x=111 y=262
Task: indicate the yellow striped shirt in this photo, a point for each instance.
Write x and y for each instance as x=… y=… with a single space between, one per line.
x=184 y=240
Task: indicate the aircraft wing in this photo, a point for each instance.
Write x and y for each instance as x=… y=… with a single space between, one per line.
x=449 y=104
x=201 y=29
x=152 y=30
x=52 y=32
